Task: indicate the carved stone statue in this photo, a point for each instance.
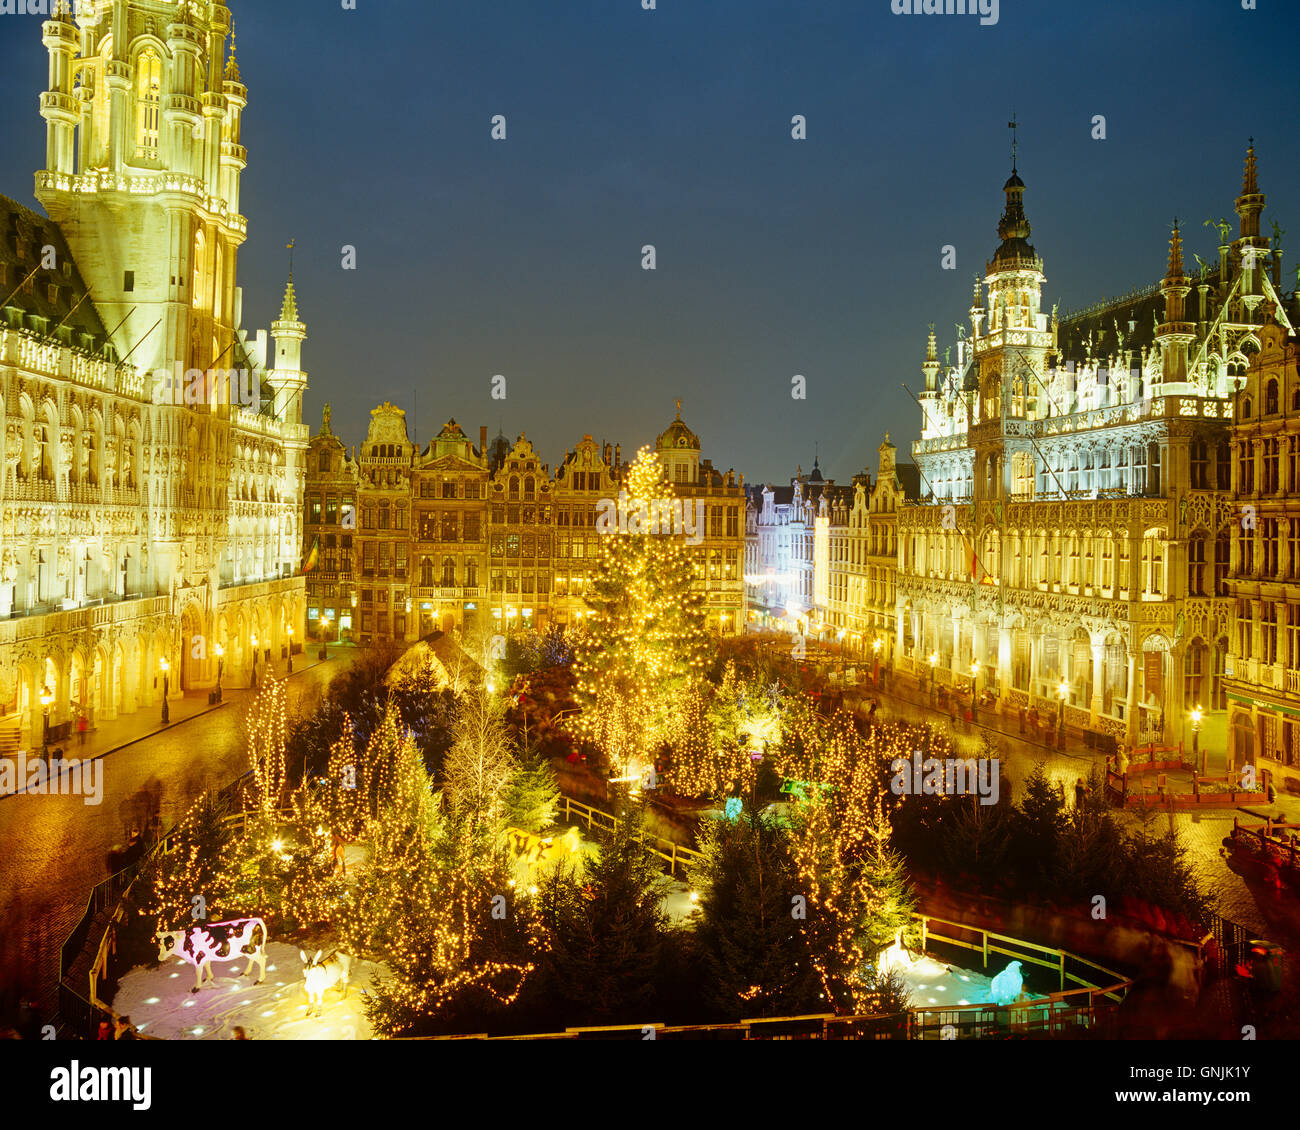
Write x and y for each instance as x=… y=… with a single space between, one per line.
x=8 y=567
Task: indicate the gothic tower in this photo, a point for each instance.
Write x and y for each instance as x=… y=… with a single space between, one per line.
x=143 y=160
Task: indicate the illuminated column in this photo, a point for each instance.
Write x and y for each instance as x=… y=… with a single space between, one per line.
x=1098 y=676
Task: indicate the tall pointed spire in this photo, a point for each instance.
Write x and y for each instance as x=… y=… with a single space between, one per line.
x=289 y=309
x=1250 y=178
x=1251 y=201
x=232 y=64
x=1175 y=269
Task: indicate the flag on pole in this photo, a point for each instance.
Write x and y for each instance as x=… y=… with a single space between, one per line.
x=313 y=557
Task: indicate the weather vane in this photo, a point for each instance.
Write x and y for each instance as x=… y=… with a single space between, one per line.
x=1013 y=125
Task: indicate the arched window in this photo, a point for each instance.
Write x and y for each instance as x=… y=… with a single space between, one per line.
x=529 y=492
x=514 y=487
x=1270 y=399
x=324 y=461
x=1246 y=409
x=426 y=573
x=448 y=573
x=148 y=103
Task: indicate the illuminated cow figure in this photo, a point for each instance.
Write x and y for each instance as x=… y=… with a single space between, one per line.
x=217 y=941
x=321 y=975
x=536 y=850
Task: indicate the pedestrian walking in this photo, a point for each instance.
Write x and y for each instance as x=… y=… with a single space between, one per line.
x=83 y=724
x=1080 y=791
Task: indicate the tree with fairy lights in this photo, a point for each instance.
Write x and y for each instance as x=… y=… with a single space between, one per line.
x=442 y=910
x=645 y=645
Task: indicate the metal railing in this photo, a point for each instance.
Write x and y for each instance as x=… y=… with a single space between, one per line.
x=670 y=852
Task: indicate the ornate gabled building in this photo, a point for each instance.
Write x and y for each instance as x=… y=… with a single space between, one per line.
x=329 y=527
x=153 y=456
x=458 y=535
x=1076 y=532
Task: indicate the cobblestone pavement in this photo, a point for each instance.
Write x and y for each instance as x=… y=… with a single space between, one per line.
x=53 y=849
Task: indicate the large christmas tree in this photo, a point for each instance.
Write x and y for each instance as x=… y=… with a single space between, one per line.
x=646 y=642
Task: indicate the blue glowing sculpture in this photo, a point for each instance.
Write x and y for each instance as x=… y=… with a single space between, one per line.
x=1007 y=985
x=732 y=810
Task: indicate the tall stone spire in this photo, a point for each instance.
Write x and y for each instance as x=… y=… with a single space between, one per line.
x=1251 y=201
x=1175 y=334
x=931 y=366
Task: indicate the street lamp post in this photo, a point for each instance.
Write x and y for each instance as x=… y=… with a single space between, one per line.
x=221 y=666
x=166 y=710
x=1197 y=756
x=934 y=662
x=290 y=649
x=47 y=697
x=1062 y=693
x=324 y=631
x=252 y=640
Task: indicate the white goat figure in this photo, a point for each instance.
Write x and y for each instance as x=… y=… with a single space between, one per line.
x=321 y=975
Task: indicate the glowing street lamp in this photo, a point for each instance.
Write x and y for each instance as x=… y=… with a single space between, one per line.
x=324 y=632
x=1062 y=692
x=47 y=697
x=252 y=640
x=166 y=669
x=1197 y=715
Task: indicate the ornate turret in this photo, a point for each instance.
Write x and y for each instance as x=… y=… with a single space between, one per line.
x=931 y=366
x=1175 y=334
x=285 y=374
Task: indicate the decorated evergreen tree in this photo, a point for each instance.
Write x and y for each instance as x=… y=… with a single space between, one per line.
x=606 y=927
x=646 y=643
x=749 y=929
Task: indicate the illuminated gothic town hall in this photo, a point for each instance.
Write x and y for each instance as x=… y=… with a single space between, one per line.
x=1080 y=540
x=149 y=523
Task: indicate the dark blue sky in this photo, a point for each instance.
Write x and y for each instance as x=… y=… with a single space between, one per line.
x=672 y=127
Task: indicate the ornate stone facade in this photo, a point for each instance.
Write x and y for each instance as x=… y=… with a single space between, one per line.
x=150 y=501
x=1263 y=681
x=1076 y=533
x=457 y=535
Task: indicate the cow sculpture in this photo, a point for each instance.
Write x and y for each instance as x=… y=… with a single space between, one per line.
x=201 y=945
x=321 y=975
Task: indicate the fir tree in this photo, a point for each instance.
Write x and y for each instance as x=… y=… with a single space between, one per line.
x=747 y=934
x=645 y=642
x=607 y=926
x=1041 y=820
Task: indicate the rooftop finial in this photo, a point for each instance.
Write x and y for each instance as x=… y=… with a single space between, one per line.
x=232 y=64
x=1013 y=125
x=1250 y=180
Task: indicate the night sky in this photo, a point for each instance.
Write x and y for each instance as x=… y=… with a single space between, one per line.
x=672 y=127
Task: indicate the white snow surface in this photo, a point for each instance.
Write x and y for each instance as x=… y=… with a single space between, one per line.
x=160 y=1003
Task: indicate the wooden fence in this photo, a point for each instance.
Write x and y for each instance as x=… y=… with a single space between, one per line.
x=673 y=854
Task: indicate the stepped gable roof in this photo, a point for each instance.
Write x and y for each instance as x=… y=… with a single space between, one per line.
x=53 y=297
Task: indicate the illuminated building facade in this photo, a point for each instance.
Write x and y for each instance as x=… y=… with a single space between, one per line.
x=152 y=454
x=458 y=535
x=1263 y=672
x=1075 y=537
x=329 y=527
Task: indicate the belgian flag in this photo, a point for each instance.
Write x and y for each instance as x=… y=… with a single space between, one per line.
x=310 y=561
